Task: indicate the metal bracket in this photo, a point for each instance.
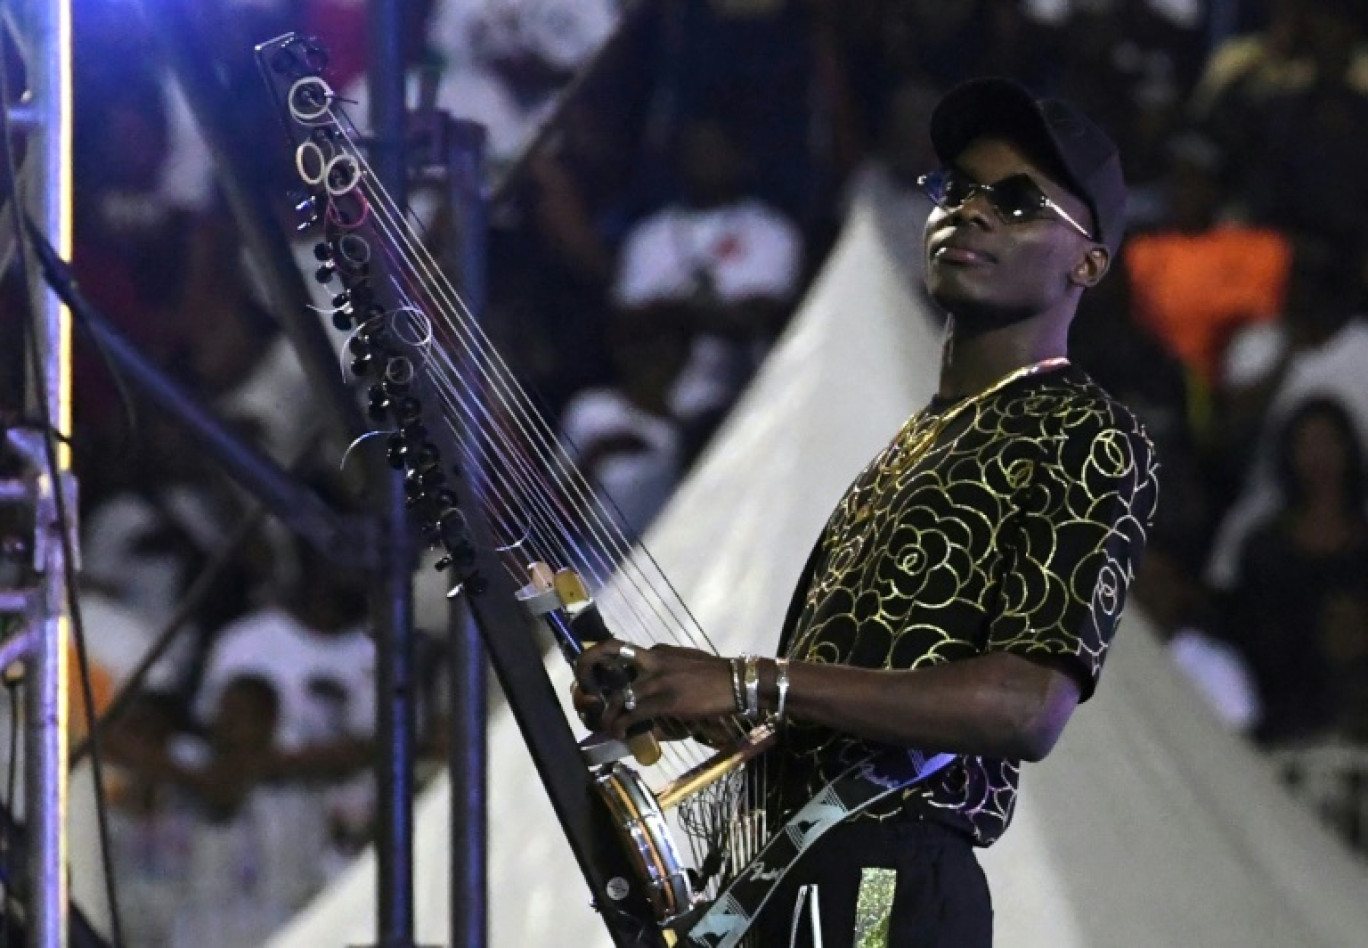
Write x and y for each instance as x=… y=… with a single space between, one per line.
x=36 y=489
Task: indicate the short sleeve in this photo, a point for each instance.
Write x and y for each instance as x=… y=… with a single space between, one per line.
x=649 y=266
x=759 y=253
x=1069 y=547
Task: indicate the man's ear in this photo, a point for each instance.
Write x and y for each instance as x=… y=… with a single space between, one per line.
x=1092 y=268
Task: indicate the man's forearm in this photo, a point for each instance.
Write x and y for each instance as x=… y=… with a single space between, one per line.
x=997 y=705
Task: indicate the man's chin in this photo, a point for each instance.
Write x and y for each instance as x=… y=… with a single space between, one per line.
x=972 y=317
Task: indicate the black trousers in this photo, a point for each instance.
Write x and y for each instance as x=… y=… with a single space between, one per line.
x=940 y=895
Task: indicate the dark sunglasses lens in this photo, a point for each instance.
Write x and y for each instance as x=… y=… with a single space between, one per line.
x=1018 y=197
x=955 y=189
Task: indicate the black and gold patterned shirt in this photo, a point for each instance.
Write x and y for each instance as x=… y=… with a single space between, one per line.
x=1010 y=523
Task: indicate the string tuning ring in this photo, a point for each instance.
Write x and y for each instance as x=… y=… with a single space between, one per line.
x=311 y=164
x=419 y=320
x=342 y=174
x=399 y=370
x=310 y=98
x=349 y=210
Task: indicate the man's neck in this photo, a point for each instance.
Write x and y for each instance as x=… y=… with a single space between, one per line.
x=969 y=364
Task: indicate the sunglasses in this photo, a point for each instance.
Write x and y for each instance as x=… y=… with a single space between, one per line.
x=1015 y=198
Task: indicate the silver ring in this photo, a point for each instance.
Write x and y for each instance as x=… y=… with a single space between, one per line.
x=628 y=698
x=627 y=652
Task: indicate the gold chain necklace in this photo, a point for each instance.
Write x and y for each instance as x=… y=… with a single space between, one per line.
x=906 y=451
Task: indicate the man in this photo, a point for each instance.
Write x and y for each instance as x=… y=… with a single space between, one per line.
x=963 y=593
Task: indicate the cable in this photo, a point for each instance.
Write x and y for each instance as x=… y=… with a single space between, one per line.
x=64 y=520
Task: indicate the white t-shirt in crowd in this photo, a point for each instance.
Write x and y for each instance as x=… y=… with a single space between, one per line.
x=246 y=877
x=325 y=683
x=746 y=250
x=466 y=34
x=563 y=33
x=146 y=577
x=743 y=251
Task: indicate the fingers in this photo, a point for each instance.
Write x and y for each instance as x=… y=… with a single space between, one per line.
x=604 y=688
x=589 y=707
x=610 y=667
x=637 y=707
x=616 y=715
x=600 y=655
x=638 y=685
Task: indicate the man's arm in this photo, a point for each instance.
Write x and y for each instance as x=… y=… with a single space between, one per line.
x=996 y=705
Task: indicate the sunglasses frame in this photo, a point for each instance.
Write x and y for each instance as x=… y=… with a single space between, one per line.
x=933 y=185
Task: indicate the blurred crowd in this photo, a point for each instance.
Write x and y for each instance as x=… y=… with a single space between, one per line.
x=642 y=260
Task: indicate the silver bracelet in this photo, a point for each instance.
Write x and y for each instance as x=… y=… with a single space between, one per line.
x=752 y=688
x=781 y=682
x=738 y=690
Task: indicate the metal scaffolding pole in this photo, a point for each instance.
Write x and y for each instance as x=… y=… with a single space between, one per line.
x=393 y=610
x=469 y=764
x=43 y=187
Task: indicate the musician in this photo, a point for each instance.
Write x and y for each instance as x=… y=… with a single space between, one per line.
x=963 y=593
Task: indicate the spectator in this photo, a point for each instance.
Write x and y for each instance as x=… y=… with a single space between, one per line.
x=623 y=437
x=128 y=247
x=1130 y=65
x=1242 y=72
x=758 y=57
x=151 y=822
x=150 y=537
x=1304 y=154
x=1320 y=300
x=720 y=263
x=242 y=363
x=257 y=854
x=1196 y=279
x=1318 y=349
x=310 y=648
x=553 y=246
x=315 y=654
x=1298 y=608
x=505 y=60
x=117 y=639
x=1245 y=73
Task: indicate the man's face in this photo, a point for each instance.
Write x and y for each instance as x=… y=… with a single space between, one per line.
x=989 y=273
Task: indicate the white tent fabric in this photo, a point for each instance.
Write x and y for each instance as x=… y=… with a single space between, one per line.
x=1148 y=826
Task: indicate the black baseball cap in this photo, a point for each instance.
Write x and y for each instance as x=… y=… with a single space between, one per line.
x=1081 y=154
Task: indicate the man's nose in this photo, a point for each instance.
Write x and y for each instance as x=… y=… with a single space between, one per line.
x=976 y=208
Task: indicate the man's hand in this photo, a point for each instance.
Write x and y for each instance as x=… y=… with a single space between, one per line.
x=663 y=682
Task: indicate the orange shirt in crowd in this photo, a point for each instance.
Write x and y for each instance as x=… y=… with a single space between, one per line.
x=101 y=689
x=1194 y=290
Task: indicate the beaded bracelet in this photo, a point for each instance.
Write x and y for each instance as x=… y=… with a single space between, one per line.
x=781 y=682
